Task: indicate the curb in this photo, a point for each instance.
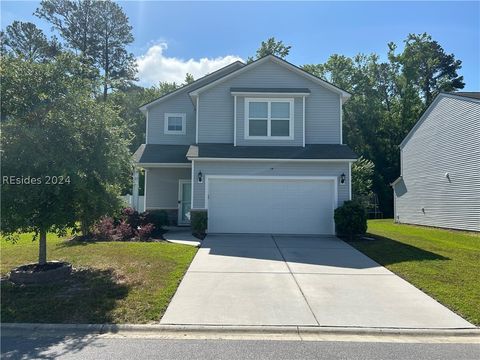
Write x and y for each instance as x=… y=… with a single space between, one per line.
x=219 y=329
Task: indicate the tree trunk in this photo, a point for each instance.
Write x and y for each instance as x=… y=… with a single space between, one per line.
x=42 y=251
x=85 y=228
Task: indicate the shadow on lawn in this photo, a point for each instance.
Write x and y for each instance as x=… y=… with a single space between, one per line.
x=88 y=296
x=387 y=251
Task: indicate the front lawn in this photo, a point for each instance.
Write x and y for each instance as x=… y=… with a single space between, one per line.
x=117 y=282
x=444 y=264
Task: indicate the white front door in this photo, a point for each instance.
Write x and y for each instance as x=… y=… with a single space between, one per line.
x=271 y=205
x=184 y=201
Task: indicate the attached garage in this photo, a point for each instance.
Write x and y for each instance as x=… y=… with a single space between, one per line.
x=271 y=204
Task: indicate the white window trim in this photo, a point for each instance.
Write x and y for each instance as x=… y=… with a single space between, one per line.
x=269 y=119
x=184 y=123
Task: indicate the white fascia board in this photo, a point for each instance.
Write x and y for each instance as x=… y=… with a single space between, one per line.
x=249 y=93
x=270 y=160
x=163 y=165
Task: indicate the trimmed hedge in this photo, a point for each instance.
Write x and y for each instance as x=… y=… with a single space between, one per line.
x=351 y=220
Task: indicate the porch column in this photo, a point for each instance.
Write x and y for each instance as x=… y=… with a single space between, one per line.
x=135 y=189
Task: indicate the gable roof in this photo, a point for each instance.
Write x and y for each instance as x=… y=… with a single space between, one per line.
x=345 y=94
x=197 y=83
x=435 y=101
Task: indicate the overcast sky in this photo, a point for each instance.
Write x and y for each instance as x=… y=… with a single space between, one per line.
x=172 y=38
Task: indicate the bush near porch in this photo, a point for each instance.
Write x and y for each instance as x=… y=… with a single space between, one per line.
x=117 y=282
x=445 y=264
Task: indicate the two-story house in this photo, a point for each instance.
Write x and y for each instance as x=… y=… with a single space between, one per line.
x=257 y=146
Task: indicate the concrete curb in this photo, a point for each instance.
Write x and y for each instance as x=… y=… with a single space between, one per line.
x=240 y=330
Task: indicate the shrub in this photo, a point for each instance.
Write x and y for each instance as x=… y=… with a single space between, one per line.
x=351 y=219
x=124 y=231
x=199 y=221
x=132 y=217
x=145 y=232
x=104 y=229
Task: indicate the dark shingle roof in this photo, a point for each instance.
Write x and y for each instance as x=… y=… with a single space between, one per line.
x=270 y=90
x=312 y=151
x=157 y=153
x=469 y=94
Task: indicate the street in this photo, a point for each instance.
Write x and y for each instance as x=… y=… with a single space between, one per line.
x=142 y=347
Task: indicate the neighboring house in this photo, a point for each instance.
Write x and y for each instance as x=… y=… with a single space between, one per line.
x=440 y=166
x=257 y=146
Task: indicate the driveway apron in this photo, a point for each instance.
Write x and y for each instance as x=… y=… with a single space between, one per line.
x=298 y=280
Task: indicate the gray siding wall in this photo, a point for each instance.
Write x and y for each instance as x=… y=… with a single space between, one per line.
x=180 y=103
x=322 y=107
x=448 y=140
x=268 y=169
x=161 y=187
x=297 y=125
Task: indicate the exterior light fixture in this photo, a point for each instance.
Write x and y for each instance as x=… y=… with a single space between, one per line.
x=200 y=177
x=342 y=179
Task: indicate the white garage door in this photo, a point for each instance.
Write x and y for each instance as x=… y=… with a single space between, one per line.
x=270 y=205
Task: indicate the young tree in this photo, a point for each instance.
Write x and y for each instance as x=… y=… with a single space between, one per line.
x=362 y=180
x=72 y=146
x=271 y=47
x=25 y=40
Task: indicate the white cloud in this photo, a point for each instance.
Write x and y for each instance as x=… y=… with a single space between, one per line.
x=155 y=66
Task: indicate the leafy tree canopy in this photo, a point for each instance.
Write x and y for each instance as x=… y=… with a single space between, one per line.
x=271 y=47
x=99 y=32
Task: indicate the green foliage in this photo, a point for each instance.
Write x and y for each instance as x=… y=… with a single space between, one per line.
x=25 y=40
x=199 y=222
x=388 y=98
x=100 y=32
x=362 y=180
x=189 y=78
x=271 y=47
x=351 y=219
x=427 y=67
x=53 y=127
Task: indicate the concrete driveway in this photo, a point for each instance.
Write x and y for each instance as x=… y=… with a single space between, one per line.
x=298 y=280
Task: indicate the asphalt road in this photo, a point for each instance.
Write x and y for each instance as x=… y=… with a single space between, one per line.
x=91 y=347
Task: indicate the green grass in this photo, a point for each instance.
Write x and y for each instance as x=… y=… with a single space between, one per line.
x=116 y=282
x=444 y=264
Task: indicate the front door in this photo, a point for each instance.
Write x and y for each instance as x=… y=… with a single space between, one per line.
x=184 y=201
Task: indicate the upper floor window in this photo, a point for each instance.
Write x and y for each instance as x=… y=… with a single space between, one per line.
x=175 y=124
x=268 y=118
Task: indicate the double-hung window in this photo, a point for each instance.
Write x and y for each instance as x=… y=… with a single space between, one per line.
x=175 y=124
x=268 y=118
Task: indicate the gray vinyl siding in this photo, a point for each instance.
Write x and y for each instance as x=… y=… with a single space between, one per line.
x=273 y=168
x=180 y=103
x=322 y=109
x=161 y=187
x=297 y=125
x=447 y=141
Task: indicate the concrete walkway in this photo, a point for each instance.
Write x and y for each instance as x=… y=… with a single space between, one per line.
x=180 y=235
x=298 y=280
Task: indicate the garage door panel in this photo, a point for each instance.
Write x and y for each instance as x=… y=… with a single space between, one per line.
x=290 y=206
